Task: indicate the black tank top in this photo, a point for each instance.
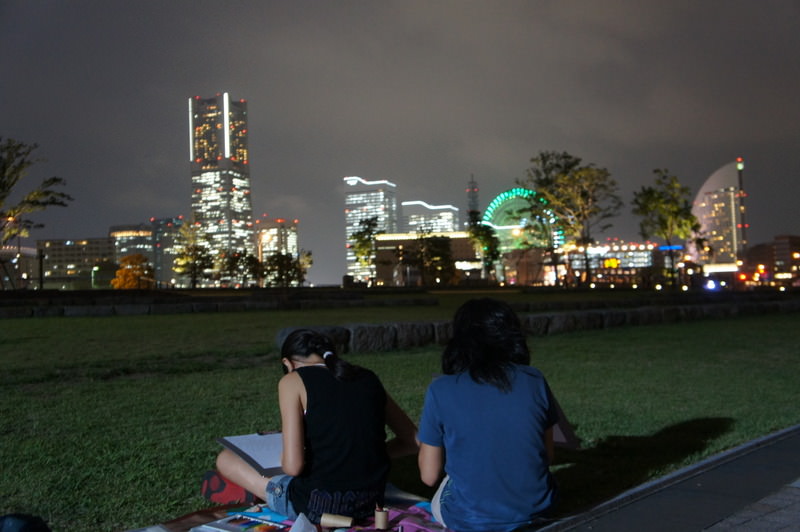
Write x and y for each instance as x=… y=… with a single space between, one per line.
x=345 y=444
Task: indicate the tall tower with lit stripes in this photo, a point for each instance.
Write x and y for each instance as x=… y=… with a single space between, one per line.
x=219 y=160
x=365 y=200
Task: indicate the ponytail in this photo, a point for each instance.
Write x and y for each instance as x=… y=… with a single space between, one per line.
x=305 y=342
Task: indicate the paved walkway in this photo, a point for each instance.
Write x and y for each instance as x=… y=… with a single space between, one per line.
x=754 y=487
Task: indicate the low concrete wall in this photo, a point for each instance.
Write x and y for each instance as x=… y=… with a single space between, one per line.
x=372 y=337
x=72 y=306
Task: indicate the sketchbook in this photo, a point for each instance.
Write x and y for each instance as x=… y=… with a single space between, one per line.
x=261 y=450
x=241 y=522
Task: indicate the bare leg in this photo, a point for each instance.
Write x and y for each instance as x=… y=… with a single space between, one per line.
x=239 y=472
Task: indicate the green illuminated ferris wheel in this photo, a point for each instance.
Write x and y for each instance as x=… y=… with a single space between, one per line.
x=519 y=226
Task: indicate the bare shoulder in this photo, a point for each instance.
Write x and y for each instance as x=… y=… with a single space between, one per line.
x=291 y=382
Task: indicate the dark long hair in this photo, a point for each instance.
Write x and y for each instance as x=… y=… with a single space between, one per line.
x=487 y=339
x=302 y=343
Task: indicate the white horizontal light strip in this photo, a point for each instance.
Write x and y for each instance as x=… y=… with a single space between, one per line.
x=353 y=180
x=428 y=206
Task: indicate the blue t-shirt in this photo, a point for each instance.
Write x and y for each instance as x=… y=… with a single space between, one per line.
x=494 y=448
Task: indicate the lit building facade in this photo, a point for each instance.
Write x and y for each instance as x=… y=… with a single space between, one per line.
x=218 y=154
x=18 y=267
x=719 y=207
x=77 y=264
x=775 y=263
x=165 y=239
x=398 y=264
x=365 y=200
x=132 y=240
x=787 y=259
x=419 y=216
x=277 y=236
x=617 y=264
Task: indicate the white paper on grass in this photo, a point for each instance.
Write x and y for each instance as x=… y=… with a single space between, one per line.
x=261 y=451
x=302 y=524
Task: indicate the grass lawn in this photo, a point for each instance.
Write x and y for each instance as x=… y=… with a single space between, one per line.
x=109 y=423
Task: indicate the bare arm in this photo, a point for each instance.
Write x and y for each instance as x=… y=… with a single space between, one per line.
x=290 y=393
x=431 y=463
x=405 y=441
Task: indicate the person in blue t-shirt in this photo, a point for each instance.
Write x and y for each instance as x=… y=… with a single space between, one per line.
x=488 y=423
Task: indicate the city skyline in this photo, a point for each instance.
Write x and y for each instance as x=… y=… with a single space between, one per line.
x=423 y=94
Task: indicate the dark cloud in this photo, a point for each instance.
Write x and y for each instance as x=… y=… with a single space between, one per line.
x=422 y=93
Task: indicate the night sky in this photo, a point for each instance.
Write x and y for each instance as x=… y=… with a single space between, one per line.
x=422 y=93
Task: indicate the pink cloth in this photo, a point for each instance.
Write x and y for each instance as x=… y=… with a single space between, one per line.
x=412 y=518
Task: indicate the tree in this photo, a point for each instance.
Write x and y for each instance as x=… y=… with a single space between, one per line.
x=305 y=261
x=193 y=258
x=254 y=269
x=283 y=269
x=364 y=242
x=666 y=213
x=543 y=174
x=240 y=265
x=15 y=159
x=435 y=259
x=582 y=198
x=134 y=273
x=484 y=240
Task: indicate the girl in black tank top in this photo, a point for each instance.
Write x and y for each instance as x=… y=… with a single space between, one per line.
x=333 y=417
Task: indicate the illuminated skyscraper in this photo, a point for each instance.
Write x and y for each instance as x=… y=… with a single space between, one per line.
x=419 y=216
x=166 y=233
x=219 y=160
x=365 y=200
x=719 y=207
x=132 y=239
x=277 y=236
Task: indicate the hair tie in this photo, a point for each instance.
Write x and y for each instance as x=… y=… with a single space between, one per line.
x=326 y=354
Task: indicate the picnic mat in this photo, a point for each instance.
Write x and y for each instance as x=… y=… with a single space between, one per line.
x=412 y=517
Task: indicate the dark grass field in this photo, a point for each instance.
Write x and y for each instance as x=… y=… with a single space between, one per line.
x=109 y=423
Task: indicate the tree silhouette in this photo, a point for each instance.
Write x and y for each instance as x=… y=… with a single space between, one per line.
x=15 y=159
x=484 y=240
x=666 y=213
x=283 y=269
x=581 y=197
x=364 y=242
x=193 y=258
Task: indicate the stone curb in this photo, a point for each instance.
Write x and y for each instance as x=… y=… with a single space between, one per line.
x=381 y=337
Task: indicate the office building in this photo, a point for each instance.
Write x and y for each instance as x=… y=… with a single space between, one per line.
x=365 y=200
x=219 y=159
x=277 y=236
x=18 y=267
x=165 y=242
x=77 y=264
x=132 y=240
x=421 y=217
x=399 y=261
x=278 y=250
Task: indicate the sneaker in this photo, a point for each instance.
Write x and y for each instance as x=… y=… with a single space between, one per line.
x=220 y=490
